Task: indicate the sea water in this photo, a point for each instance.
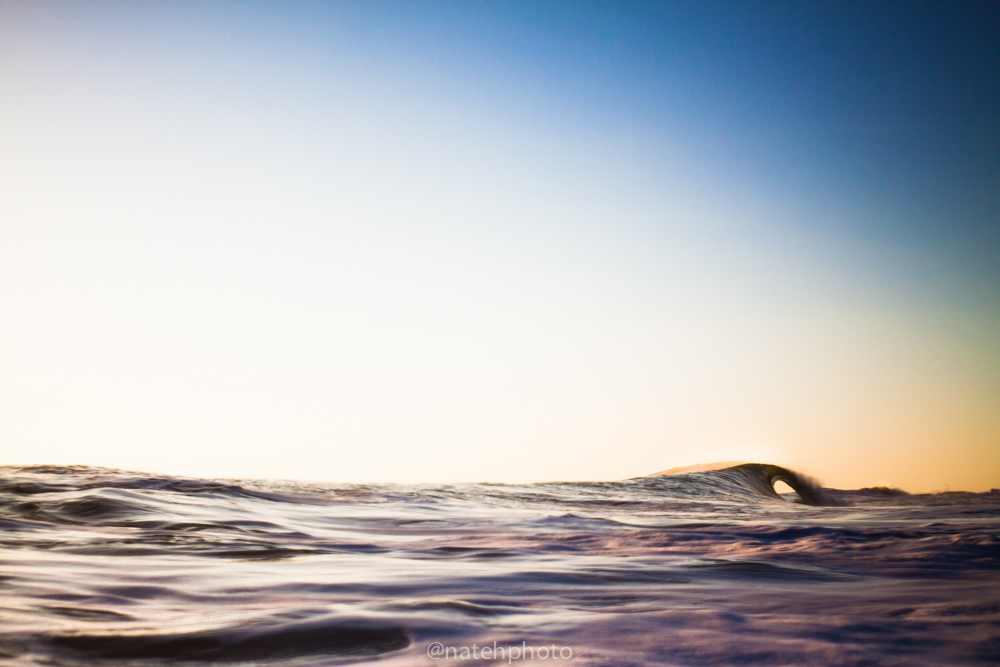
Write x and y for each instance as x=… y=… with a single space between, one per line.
x=104 y=567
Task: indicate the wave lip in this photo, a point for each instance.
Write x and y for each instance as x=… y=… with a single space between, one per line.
x=758 y=477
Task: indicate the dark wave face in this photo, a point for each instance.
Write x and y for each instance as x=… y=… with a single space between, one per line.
x=103 y=567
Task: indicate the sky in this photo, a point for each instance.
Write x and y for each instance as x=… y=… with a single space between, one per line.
x=502 y=241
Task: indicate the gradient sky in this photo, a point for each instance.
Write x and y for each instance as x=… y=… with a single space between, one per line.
x=484 y=241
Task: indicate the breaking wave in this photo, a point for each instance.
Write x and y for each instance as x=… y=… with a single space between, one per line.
x=756 y=479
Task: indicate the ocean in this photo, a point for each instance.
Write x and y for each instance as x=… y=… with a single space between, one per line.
x=105 y=567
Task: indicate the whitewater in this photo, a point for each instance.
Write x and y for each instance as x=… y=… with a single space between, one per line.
x=705 y=567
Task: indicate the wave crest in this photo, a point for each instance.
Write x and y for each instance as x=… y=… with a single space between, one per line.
x=758 y=478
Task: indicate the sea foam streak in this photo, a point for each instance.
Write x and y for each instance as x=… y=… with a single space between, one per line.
x=695 y=568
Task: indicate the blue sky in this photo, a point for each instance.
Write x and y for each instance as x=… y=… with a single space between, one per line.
x=373 y=241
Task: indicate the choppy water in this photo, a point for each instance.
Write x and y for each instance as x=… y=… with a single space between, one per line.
x=107 y=567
